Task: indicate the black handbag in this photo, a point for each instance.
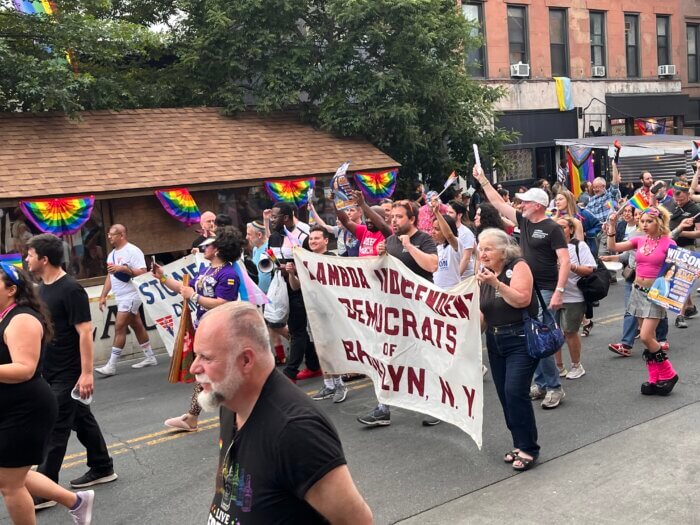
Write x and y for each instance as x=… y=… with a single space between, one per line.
x=596 y=285
x=544 y=338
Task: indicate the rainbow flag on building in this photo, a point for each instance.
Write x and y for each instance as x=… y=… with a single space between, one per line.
x=15 y=259
x=580 y=162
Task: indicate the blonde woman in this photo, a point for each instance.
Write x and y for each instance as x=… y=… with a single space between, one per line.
x=565 y=206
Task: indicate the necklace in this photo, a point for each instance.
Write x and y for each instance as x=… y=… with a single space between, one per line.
x=60 y=274
x=648 y=247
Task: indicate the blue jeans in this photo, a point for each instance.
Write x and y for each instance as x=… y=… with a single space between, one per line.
x=629 y=324
x=512 y=369
x=547 y=373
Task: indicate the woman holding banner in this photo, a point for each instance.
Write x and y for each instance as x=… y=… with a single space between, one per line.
x=651 y=249
x=213 y=286
x=506 y=292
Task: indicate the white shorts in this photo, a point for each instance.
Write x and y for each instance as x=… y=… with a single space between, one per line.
x=130 y=303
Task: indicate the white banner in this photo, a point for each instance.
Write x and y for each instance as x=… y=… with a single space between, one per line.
x=420 y=345
x=162 y=304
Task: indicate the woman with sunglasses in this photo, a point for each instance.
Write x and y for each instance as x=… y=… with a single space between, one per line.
x=214 y=285
x=650 y=252
x=29 y=407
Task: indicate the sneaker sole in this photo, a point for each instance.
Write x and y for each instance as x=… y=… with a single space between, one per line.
x=340 y=400
x=139 y=365
x=45 y=505
x=380 y=423
x=321 y=398
x=99 y=481
x=105 y=374
x=576 y=377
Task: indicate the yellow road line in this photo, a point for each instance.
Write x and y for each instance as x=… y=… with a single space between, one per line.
x=163 y=436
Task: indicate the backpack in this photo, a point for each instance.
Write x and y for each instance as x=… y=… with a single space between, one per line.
x=595 y=286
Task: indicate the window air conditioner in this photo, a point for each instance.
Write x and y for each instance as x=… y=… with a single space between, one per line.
x=598 y=71
x=520 y=70
x=667 y=70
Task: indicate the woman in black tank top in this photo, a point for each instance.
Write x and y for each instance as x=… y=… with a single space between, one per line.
x=506 y=291
x=28 y=409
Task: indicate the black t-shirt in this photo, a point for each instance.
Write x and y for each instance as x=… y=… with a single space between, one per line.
x=539 y=242
x=420 y=240
x=68 y=305
x=199 y=240
x=266 y=468
x=689 y=210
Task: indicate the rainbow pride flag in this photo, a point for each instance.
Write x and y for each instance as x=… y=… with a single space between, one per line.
x=15 y=259
x=59 y=216
x=179 y=204
x=291 y=191
x=580 y=162
x=639 y=202
x=38 y=7
x=376 y=185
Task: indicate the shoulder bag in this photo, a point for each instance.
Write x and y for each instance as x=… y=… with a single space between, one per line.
x=596 y=285
x=544 y=338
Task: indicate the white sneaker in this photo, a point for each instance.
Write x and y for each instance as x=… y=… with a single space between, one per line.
x=576 y=372
x=552 y=399
x=83 y=514
x=563 y=372
x=149 y=361
x=108 y=370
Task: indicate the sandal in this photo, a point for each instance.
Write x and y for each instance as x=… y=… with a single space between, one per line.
x=587 y=329
x=525 y=464
x=511 y=456
x=620 y=349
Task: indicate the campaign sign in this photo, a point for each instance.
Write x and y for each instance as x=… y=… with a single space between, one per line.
x=675 y=281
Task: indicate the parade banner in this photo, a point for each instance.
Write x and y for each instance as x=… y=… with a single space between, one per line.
x=420 y=345
x=163 y=305
x=676 y=278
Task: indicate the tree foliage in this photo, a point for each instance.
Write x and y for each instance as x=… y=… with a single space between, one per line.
x=391 y=71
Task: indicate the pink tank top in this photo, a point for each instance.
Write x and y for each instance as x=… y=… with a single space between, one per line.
x=648 y=266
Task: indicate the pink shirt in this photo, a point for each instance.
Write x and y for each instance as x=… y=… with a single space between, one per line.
x=368 y=240
x=648 y=266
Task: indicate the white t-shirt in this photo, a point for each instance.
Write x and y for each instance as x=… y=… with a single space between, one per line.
x=132 y=257
x=572 y=293
x=468 y=241
x=447 y=274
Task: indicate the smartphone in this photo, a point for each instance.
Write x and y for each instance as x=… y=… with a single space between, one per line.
x=153 y=261
x=656 y=187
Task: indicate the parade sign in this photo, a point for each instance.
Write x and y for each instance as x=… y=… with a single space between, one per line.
x=162 y=304
x=420 y=345
x=676 y=278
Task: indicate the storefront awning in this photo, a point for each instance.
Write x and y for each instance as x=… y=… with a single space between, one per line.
x=627 y=105
x=638 y=145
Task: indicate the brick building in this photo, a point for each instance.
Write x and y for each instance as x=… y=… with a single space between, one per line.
x=627 y=62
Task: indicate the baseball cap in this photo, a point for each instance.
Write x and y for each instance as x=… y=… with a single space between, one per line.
x=534 y=195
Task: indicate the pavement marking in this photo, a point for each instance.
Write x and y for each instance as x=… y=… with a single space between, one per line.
x=163 y=436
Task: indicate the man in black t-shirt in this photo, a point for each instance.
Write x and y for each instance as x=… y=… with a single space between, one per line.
x=546 y=251
x=67 y=364
x=417 y=250
x=685 y=208
x=207 y=221
x=281 y=460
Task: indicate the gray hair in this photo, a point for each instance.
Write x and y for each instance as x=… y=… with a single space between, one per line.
x=502 y=242
x=244 y=325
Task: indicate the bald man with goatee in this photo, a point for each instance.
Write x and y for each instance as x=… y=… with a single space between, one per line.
x=281 y=459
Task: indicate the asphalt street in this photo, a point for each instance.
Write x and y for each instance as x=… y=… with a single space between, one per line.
x=426 y=475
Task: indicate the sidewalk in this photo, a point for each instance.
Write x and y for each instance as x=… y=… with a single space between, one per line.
x=647 y=474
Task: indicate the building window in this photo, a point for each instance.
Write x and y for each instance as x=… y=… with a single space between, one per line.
x=597 y=38
x=663 y=40
x=632 y=45
x=693 y=63
x=476 y=57
x=517 y=34
x=558 y=43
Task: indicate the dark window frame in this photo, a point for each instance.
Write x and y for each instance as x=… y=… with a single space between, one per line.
x=667 y=41
x=634 y=67
x=603 y=46
x=525 y=52
x=476 y=62
x=693 y=59
x=562 y=47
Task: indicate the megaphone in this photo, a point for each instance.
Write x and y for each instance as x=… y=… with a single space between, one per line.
x=265 y=264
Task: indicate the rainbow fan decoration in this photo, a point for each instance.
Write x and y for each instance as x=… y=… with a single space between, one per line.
x=376 y=185
x=15 y=259
x=580 y=161
x=179 y=204
x=291 y=191
x=38 y=7
x=59 y=216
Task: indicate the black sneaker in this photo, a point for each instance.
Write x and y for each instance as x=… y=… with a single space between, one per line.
x=376 y=418
x=91 y=478
x=431 y=421
x=691 y=312
x=41 y=503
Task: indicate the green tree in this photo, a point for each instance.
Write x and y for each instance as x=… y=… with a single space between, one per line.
x=117 y=61
x=389 y=70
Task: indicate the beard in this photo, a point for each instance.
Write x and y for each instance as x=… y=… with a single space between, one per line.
x=220 y=392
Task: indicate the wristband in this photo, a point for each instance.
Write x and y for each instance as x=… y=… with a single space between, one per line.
x=163 y=279
x=195 y=298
